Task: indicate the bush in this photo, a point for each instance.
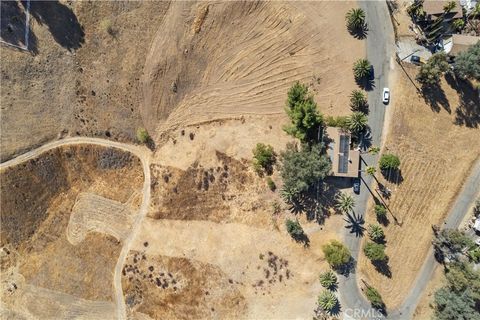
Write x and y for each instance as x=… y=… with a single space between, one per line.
x=328 y=279
x=294 y=228
x=389 y=162
x=142 y=135
x=338 y=122
x=380 y=210
x=374 y=297
x=375 y=251
x=431 y=71
x=327 y=300
x=271 y=184
x=263 y=158
x=300 y=169
x=336 y=254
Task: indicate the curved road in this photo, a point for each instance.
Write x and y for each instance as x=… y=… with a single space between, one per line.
x=145 y=156
x=380 y=44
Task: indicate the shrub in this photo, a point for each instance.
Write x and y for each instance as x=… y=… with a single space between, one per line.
x=338 y=122
x=327 y=300
x=294 y=228
x=328 y=279
x=142 y=135
x=431 y=71
x=389 y=162
x=375 y=251
x=375 y=232
x=374 y=297
x=336 y=254
x=263 y=158
x=276 y=207
x=271 y=184
x=380 y=210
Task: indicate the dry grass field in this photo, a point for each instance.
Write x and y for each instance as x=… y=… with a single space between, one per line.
x=437 y=141
x=38 y=261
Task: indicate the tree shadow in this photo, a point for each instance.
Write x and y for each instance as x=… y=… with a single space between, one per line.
x=365 y=139
x=347 y=268
x=435 y=97
x=61 y=22
x=302 y=238
x=383 y=220
x=13 y=27
x=366 y=83
x=355 y=225
x=468 y=112
x=383 y=268
x=359 y=33
x=393 y=175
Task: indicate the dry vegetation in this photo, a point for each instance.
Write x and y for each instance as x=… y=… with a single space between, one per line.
x=37 y=200
x=437 y=141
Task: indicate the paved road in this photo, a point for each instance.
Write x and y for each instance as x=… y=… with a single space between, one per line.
x=145 y=156
x=380 y=47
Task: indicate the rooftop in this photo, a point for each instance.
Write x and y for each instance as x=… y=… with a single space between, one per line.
x=435 y=7
x=345 y=161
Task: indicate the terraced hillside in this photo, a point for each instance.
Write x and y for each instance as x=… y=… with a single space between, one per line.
x=44 y=273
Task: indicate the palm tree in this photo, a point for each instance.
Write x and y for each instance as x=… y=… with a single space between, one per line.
x=289 y=195
x=361 y=69
x=345 y=202
x=375 y=232
x=355 y=18
x=449 y=6
x=327 y=300
x=371 y=170
x=328 y=279
x=358 y=100
x=357 y=122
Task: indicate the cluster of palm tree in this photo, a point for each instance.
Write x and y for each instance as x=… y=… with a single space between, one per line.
x=355 y=19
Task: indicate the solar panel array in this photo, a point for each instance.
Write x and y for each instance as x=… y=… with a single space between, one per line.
x=344 y=148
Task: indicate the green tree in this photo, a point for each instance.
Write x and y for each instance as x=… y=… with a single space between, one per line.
x=374 y=297
x=357 y=122
x=328 y=279
x=327 y=300
x=142 y=135
x=380 y=211
x=375 y=251
x=375 y=232
x=451 y=305
x=336 y=254
x=345 y=202
x=358 y=100
x=451 y=242
x=389 y=161
x=371 y=170
x=431 y=71
x=301 y=169
x=355 y=18
x=294 y=228
x=303 y=113
x=263 y=158
x=467 y=63
x=361 y=69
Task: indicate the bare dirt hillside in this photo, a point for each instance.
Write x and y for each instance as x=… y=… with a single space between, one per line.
x=83 y=75
x=223 y=60
x=37 y=200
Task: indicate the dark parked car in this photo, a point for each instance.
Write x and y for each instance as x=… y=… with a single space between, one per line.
x=415 y=60
x=356 y=185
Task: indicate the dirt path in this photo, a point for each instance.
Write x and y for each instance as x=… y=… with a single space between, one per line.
x=145 y=156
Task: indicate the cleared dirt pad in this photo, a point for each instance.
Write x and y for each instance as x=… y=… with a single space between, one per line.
x=437 y=144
